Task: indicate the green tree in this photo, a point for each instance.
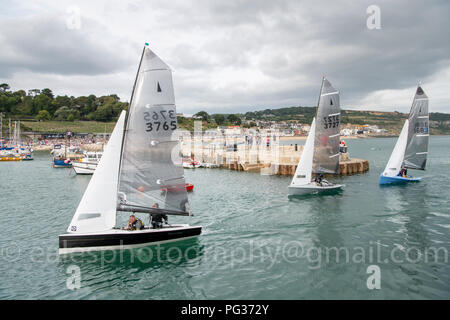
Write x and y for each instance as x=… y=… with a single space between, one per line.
x=219 y=119
x=48 y=93
x=4 y=87
x=62 y=113
x=43 y=115
x=104 y=113
x=234 y=119
x=42 y=102
x=203 y=114
x=70 y=117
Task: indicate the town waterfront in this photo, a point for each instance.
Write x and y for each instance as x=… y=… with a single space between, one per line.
x=256 y=244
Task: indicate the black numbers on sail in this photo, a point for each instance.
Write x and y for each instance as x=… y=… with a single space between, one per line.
x=160 y=120
x=331 y=121
x=421 y=127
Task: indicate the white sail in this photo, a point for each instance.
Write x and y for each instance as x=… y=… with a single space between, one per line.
x=395 y=161
x=151 y=171
x=304 y=169
x=97 y=208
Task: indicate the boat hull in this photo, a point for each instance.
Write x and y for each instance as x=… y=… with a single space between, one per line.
x=10 y=159
x=84 y=168
x=313 y=188
x=396 y=180
x=61 y=164
x=123 y=239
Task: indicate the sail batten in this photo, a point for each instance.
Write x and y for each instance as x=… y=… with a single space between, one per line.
x=151 y=172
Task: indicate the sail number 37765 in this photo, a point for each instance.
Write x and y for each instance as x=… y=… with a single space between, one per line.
x=160 y=120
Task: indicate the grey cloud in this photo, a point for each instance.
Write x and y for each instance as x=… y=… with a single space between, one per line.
x=291 y=43
x=44 y=44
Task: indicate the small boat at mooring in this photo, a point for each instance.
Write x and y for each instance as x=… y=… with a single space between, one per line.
x=140 y=159
x=321 y=151
x=88 y=164
x=411 y=149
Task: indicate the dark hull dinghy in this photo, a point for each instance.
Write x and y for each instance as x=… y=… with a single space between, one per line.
x=140 y=160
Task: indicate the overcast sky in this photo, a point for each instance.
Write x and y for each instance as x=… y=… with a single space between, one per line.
x=233 y=56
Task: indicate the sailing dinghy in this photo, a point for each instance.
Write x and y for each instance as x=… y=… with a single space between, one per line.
x=411 y=149
x=141 y=158
x=321 y=151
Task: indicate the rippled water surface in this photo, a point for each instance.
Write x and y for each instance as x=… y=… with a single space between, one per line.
x=256 y=242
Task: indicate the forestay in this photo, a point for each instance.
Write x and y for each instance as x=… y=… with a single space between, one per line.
x=151 y=160
x=418 y=133
x=97 y=208
x=326 y=142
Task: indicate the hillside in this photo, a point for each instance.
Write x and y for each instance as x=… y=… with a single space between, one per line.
x=392 y=121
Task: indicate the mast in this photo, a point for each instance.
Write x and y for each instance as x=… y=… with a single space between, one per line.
x=1 y=129
x=129 y=108
x=9 y=132
x=320 y=94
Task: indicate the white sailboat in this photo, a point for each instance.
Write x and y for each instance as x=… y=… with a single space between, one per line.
x=411 y=149
x=140 y=167
x=321 y=151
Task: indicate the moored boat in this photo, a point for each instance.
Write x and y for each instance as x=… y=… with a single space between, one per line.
x=88 y=164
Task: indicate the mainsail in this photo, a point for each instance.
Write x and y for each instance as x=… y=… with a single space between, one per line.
x=418 y=133
x=326 y=142
x=151 y=171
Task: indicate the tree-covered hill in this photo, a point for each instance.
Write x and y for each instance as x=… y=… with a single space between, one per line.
x=44 y=105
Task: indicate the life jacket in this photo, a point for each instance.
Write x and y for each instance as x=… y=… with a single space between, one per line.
x=133 y=225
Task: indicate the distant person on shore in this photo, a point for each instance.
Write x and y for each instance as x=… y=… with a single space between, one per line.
x=157 y=218
x=134 y=223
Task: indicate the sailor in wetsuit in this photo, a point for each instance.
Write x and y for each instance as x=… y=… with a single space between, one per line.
x=403 y=172
x=157 y=218
x=134 y=223
x=318 y=179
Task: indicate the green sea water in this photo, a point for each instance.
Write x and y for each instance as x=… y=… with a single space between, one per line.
x=256 y=243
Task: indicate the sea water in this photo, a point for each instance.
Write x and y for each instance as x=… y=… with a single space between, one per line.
x=366 y=242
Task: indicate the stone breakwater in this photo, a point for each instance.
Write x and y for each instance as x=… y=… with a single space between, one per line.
x=275 y=160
